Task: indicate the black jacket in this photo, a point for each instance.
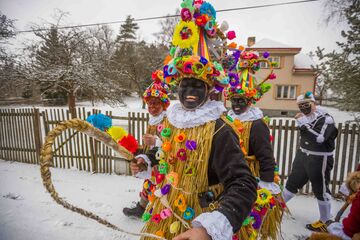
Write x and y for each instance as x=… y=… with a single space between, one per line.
x=312 y=142
x=228 y=166
x=260 y=146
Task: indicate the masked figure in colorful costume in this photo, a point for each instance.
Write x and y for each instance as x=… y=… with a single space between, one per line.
x=156 y=96
x=255 y=140
x=203 y=180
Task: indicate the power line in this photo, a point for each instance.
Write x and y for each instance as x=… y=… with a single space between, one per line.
x=168 y=16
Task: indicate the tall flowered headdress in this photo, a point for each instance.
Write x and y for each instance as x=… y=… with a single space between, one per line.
x=242 y=67
x=158 y=89
x=198 y=46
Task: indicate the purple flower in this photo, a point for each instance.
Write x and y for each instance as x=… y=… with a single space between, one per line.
x=165 y=189
x=257 y=220
x=219 y=88
x=203 y=60
x=165 y=70
x=190 y=144
x=234 y=79
x=266 y=54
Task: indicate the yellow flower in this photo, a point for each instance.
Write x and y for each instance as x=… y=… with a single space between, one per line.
x=263 y=196
x=185 y=34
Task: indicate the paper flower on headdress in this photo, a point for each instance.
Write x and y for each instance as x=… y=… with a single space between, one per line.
x=208 y=9
x=245 y=85
x=185 y=34
x=158 y=89
x=197 y=44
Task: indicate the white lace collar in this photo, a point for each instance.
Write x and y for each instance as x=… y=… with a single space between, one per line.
x=252 y=114
x=182 y=118
x=319 y=112
x=156 y=120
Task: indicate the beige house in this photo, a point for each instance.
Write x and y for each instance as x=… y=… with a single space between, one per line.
x=294 y=76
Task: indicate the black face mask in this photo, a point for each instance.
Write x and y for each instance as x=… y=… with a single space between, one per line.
x=192 y=93
x=305 y=108
x=239 y=105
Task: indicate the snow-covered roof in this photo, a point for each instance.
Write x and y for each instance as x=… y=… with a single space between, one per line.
x=268 y=43
x=302 y=60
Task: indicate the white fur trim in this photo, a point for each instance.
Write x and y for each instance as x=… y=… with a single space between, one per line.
x=252 y=114
x=156 y=120
x=329 y=120
x=144 y=174
x=271 y=186
x=337 y=229
x=216 y=225
x=320 y=139
x=181 y=118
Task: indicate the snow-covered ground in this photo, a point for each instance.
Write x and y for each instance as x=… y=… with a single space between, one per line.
x=28 y=212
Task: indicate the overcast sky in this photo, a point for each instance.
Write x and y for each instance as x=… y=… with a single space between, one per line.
x=298 y=25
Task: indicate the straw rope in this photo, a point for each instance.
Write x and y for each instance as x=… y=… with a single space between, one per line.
x=46 y=157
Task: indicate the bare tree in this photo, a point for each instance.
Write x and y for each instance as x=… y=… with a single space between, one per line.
x=164 y=37
x=66 y=62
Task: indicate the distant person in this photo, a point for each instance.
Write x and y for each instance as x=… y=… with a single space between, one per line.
x=156 y=97
x=251 y=127
x=314 y=160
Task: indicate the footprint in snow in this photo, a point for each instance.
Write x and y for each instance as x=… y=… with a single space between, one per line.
x=13 y=196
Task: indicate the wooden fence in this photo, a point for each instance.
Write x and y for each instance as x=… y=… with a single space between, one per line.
x=22 y=131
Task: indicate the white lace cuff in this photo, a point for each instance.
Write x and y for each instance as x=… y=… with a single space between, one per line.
x=336 y=228
x=144 y=174
x=271 y=186
x=216 y=225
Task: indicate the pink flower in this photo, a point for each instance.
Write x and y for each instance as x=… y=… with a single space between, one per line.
x=197 y=3
x=231 y=35
x=185 y=14
x=272 y=76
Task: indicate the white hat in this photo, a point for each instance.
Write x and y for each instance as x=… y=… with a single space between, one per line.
x=307 y=97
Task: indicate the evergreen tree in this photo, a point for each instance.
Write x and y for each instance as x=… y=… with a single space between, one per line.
x=340 y=69
x=128 y=30
x=52 y=55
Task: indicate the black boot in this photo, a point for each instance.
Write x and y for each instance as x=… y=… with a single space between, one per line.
x=136 y=211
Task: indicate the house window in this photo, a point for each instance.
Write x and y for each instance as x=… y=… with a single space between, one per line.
x=286 y=92
x=275 y=61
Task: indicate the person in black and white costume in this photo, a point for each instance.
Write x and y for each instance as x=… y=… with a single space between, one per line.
x=314 y=160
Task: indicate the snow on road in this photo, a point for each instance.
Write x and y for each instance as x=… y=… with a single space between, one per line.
x=28 y=212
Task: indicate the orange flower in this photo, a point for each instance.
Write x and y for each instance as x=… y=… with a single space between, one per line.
x=173 y=178
x=180 y=203
x=166 y=147
x=160 y=233
x=237 y=123
x=232 y=45
x=180 y=137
